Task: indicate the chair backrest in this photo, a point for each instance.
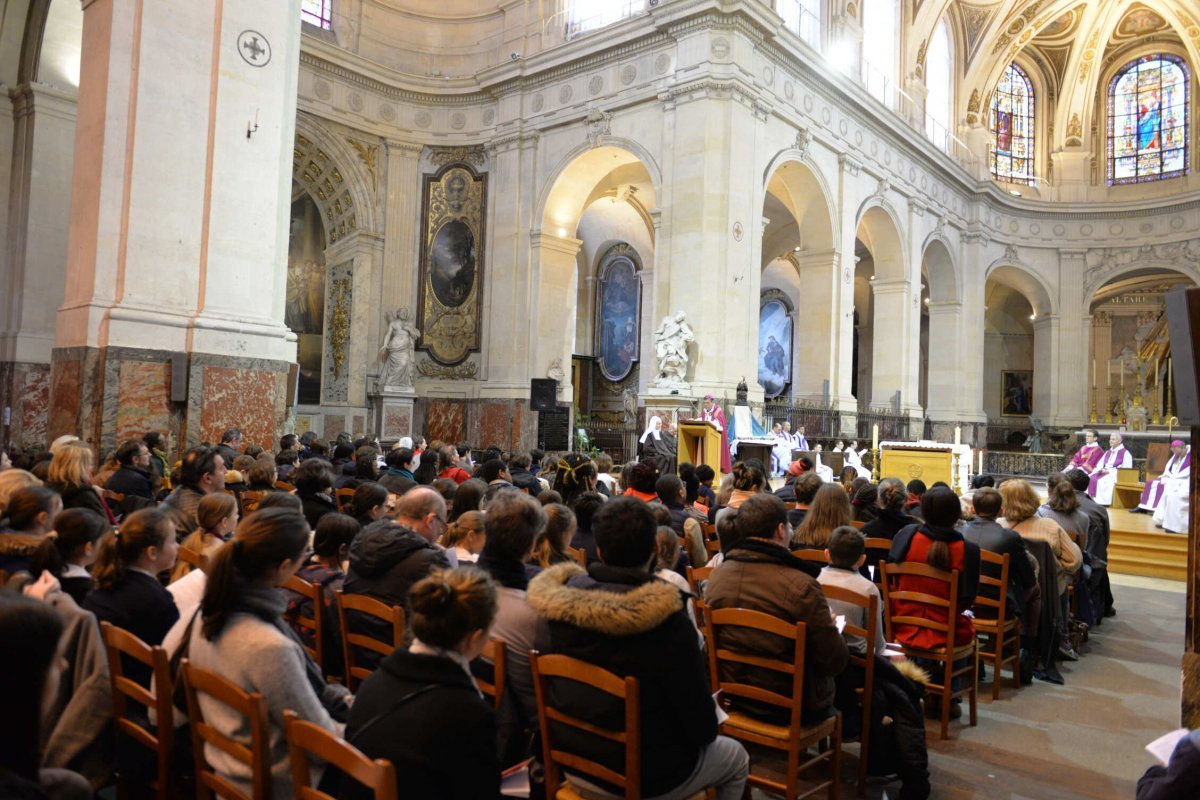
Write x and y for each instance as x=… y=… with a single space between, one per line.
x=111 y=496
x=1079 y=538
x=367 y=606
x=858 y=523
x=495 y=652
x=284 y=486
x=313 y=593
x=996 y=578
x=561 y=667
x=118 y=642
x=251 y=499
x=192 y=558
x=870 y=607
x=892 y=594
x=811 y=554
x=307 y=741
x=345 y=500
x=717 y=620
x=695 y=575
x=256 y=755
x=579 y=554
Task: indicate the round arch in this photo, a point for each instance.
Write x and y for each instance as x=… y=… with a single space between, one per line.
x=329 y=171
x=1025 y=281
x=879 y=229
x=937 y=262
x=801 y=188
x=1188 y=271
x=570 y=187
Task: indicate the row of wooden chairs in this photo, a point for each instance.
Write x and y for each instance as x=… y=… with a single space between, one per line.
x=304 y=739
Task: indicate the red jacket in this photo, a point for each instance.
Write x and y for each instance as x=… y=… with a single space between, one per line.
x=913 y=544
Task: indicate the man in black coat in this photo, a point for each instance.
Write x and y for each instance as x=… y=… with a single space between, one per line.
x=133 y=476
x=621 y=618
x=1096 y=545
x=522 y=478
x=230 y=446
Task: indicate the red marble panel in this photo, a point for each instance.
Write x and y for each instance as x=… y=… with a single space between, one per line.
x=517 y=414
x=445 y=420
x=65 y=379
x=34 y=404
x=238 y=398
x=334 y=424
x=494 y=427
x=397 y=422
x=143 y=399
x=360 y=426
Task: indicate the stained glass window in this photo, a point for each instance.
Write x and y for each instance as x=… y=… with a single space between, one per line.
x=1012 y=120
x=1148 y=120
x=317 y=12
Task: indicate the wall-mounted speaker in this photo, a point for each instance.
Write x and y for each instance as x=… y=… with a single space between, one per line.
x=1183 y=324
x=543 y=394
x=179 y=377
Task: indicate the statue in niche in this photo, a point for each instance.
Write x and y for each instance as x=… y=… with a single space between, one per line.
x=670 y=346
x=397 y=352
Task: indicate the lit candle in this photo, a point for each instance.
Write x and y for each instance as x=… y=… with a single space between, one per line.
x=980 y=472
x=1108 y=377
x=958 y=434
x=875 y=436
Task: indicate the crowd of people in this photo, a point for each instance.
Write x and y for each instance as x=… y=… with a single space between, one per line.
x=550 y=553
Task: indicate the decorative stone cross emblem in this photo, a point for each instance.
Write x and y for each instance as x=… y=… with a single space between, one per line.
x=254 y=48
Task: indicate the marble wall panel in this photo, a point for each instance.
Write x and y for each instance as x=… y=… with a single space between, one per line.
x=238 y=398
x=397 y=420
x=445 y=420
x=66 y=377
x=33 y=384
x=359 y=428
x=143 y=399
x=334 y=424
x=494 y=425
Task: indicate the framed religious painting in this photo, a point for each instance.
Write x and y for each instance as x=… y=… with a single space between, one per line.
x=774 y=343
x=449 y=304
x=1016 y=393
x=618 y=312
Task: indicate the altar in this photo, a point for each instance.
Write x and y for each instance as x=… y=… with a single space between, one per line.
x=927 y=461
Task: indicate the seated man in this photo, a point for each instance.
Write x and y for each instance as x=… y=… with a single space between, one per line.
x=1088 y=456
x=1172 y=514
x=133 y=476
x=1175 y=479
x=618 y=616
x=1104 y=476
x=760 y=574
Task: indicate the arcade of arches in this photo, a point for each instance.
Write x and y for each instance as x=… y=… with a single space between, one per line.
x=967 y=227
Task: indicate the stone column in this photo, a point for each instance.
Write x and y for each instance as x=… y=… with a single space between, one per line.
x=973 y=263
x=890 y=369
x=946 y=360
x=1071 y=402
x=401 y=222
x=817 y=328
x=39 y=208
x=178 y=234
x=1046 y=377
x=554 y=272
x=1101 y=355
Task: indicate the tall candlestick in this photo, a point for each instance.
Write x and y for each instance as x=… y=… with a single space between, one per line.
x=1122 y=380
x=1108 y=377
x=875 y=436
x=1093 y=372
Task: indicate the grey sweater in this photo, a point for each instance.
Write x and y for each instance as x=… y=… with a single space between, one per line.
x=259 y=657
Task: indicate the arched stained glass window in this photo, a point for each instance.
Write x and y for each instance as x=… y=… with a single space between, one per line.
x=1012 y=121
x=1148 y=120
x=317 y=12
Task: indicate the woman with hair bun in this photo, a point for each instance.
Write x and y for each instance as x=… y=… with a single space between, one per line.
x=242 y=635
x=421 y=710
x=216 y=518
x=466 y=536
x=73 y=548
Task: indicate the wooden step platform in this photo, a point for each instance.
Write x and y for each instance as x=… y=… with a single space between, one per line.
x=1136 y=547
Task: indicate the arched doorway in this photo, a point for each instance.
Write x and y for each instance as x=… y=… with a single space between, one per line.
x=941 y=322
x=1019 y=379
x=887 y=312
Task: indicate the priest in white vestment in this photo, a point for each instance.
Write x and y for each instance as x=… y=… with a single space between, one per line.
x=1104 y=477
x=1174 y=480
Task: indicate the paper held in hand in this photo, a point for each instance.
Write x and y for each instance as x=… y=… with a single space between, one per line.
x=1162 y=747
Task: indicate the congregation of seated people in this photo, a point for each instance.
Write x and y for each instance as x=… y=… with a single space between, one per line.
x=423 y=603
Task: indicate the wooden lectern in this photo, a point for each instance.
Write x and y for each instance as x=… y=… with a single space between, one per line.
x=700 y=443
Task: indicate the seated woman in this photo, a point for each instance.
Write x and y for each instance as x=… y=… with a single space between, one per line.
x=261 y=476
x=31 y=653
x=31 y=512
x=71 y=476
x=748 y=480
x=937 y=543
x=551 y=545
x=216 y=518
x=1021 y=504
x=372 y=501
x=466 y=536
x=574 y=475
x=468 y=496
x=313 y=480
x=73 y=548
x=331 y=544
x=128 y=593
x=830 y=509
x=242 y=635
x=1063 y=506
x=421 y=710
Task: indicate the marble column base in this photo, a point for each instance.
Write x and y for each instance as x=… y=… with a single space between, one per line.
x=24 y=404
x=393 y=415
x=108 y=395
x=481 y=422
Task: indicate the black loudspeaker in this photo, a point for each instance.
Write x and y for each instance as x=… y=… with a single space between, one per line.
x=179 y=377
x=543 y=394
x=293 y=384
x=1183 y=323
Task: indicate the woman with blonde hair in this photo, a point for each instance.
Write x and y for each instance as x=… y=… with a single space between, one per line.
x=13 y=479
x=71 y=476
x=830 y=509
x=466 y=536
x=216 y=517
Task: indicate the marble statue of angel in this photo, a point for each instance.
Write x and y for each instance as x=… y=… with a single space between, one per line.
x=397 y=352
x=671 y=340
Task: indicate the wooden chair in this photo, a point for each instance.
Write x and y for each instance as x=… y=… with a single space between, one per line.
x=561 y=667
x=111 y=497
x=345 y=500
x=307 y=741
x=793 y=738
x=284 y=486
x=495 y=651
x=367 y=606
x=313 y=593
x=251 y=499
x=811 y=554
x=579 y=554
x=255 y=756
x=1127 y=492
x=858 y=523
x=870 y=607
x=160 y=740
x=1000 y=632
x=192 y=558
x=696 y=576
x=945 y=630
x=877 y=549
x=708 y=532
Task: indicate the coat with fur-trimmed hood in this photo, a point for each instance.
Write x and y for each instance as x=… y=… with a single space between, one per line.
x=630 y=623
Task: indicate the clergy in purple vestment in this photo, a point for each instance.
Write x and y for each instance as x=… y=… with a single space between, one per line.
x=1174 y=478
x=1088 y=456
x=1104 y=478
x=712 y=413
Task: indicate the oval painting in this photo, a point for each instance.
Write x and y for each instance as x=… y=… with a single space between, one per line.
x=774 y=348
x=452 y=263
x=618 y=329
